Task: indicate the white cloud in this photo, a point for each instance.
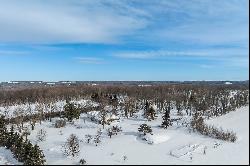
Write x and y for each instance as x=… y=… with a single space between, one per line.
x=64 y=21
x=201 y=53
x=209 y=33
x=113 y=21
x=227 y=57
x=206 y=22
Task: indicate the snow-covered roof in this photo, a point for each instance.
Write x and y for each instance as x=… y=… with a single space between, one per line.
x=228 y=83
x=144 y=85
x=51 y=83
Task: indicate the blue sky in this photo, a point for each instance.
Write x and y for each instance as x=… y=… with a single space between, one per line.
x=52 y=40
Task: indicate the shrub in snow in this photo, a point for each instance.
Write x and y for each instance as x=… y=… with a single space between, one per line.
x=110 y=132
x=216 y=144
x=41 y=135
x=60 y=132
x=204 y=150
x=97 y=138
x=60 y=123
x=198 y=125
x=144 y=129
x=71 y=147
x=82 y=162
x=88 y=138
x=125 y=158
x=99 y=132
x=221 y=134
x=114 y=130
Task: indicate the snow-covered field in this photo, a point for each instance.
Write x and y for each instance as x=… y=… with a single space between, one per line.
x=172 y=146
x=29 y=109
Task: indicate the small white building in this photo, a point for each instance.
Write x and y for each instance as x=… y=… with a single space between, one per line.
x=228 y=83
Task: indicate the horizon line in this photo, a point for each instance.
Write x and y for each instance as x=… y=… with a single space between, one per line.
x=116 y=80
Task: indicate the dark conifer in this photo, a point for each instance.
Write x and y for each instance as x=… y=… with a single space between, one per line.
x=166 y=120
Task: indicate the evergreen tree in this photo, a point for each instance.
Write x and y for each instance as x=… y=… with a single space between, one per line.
x=19 y=148
x=151 y=113
x=103 y=120
x=27 y=156
x=3 y=131
x=71 y=147
x=14 y=145
x=10 y=138
x=146 y=108
x=166 y=120
x=2 y=124
x=71 y=111
x=23 y=151
x=144 y=128
x=38 y=156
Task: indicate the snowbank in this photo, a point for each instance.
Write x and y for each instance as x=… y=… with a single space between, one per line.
x=156 y=138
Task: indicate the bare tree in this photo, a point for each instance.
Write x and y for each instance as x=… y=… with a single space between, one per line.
x=41 y=135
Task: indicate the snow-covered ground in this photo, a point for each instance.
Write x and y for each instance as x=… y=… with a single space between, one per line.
x=171 y=146
x=175 y=145
x=238 y=152
x=6 y=157
x=29 y=109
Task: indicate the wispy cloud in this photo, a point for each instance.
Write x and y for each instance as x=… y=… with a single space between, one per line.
x=90 y=60
x=242 y=62
x=208 y=53
x=227 y=57
x=205 y=66
x=112 y=21
x=11 y=52
x=65 y=21
x=204 y=22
